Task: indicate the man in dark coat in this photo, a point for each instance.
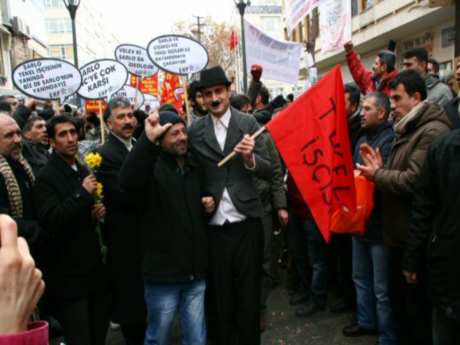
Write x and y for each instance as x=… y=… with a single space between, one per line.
x=167 y=185
x=434 y=236
x=124 y=260
x=16 y=182
x=74 y=274
x=235 y=230
x=36 y=144
x=371 y=258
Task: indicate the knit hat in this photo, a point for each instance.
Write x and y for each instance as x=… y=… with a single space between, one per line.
x=167 y=116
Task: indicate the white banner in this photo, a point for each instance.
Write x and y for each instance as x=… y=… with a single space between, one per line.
x=136 y=60
x=102 y=78
x=47 y=79
x=297 y=10
x=134 y=95
x=280 y=60
x=178 y=54
x=335 y=24
x=151 y=103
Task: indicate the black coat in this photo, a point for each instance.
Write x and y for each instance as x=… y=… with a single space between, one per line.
x=121 y=231
x=36 y=154
x=173 y=238
x=434 y=228
x=28 y=226
x=74 y=265
x=382 y=138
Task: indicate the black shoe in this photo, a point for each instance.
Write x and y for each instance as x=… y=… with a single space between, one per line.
x=356 y=330
x=341 y=307
x=299 y=298
x=309 y=310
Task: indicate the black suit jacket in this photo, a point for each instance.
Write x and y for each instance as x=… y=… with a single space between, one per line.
x=74 y=265
x=234 y=175
x=121 y=231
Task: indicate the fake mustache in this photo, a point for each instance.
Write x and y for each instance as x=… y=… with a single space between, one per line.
x=215 y=103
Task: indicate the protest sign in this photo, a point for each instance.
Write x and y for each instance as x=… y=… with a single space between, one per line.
x=335 y=24
x=134 y=95
x=150 y=103
x=136 y=60
x=281 y=60
x=146 y=85
x=47 y=79
x=102 y=78
x=178 y=54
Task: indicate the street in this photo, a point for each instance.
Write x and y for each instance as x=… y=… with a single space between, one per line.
x=284 y=328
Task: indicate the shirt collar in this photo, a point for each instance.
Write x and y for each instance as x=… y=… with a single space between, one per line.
x=128 y=143
x=224 y=119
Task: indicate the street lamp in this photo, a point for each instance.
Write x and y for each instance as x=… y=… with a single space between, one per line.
x=72 y=6
x=241 y=5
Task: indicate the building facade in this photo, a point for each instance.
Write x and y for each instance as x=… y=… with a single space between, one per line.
x=410 y=23
x=94 y=39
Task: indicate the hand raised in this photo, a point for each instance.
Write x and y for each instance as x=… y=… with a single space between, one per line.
x=153 y=128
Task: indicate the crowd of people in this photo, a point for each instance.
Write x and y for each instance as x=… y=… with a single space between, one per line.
x=147 y=228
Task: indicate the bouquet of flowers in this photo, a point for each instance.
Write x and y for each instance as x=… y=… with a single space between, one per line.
x=93 y=162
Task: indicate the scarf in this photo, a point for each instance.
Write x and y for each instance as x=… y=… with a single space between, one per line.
x=12 y=186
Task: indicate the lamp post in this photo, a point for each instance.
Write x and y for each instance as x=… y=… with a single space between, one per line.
x=72 y=6
x=241 y=5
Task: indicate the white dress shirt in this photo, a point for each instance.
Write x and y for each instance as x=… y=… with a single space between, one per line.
x=128 y=143
x=226 y=210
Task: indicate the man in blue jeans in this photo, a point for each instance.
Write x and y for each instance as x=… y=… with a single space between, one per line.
x=168 y=184
x=370 y=255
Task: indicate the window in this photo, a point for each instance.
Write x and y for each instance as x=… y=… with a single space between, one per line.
x=367 y=4
x=58 y=25
x=54 y=3
x=62 y=51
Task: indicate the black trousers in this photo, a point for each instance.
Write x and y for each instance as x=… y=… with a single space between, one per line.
x=236 y=254
x=341 y=260
x=411 y=304
x=84 y=321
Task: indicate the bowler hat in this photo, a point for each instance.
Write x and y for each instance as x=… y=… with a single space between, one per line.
x=213 y=76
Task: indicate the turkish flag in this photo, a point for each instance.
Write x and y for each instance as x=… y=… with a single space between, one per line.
x=312 y=137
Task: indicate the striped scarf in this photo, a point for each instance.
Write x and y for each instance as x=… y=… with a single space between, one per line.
x=12 y=186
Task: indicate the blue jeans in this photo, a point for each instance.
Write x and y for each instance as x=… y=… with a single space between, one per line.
x=310 y=255
x=163 y=301
x=372 y=279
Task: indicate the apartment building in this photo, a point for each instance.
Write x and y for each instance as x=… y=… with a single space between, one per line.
x=410 y=23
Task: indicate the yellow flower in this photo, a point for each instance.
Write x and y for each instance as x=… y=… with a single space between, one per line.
x=99 y=189
x=93 y=160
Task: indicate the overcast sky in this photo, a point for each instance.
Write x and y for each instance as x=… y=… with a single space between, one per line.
x=139 y=21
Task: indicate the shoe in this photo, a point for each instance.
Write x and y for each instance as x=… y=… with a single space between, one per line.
x=299 y=298
x=341 y=307
x=356 y=330
x=309 y=310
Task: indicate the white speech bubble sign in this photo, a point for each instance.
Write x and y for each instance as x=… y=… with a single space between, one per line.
x=102 y=78
x=152 y=101
x=47 y=79
x=134 y=95
x=136 y=60
x=178 y=54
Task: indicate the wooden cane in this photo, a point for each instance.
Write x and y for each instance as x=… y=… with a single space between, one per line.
x=231 y=155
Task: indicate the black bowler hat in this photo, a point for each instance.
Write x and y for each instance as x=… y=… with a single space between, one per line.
x=212 y=77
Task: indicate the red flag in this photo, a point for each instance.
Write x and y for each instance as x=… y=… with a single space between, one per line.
x=312 y=137
x=233 y=40
x=173 y=92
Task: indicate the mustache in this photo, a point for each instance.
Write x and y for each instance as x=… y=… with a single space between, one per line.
x=215 y=103
x=128 y=127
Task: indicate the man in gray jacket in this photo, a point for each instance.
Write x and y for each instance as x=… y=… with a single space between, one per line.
x=417 y=59
x=235 y=231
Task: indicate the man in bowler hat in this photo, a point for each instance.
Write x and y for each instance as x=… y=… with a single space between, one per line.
x=234 y=230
